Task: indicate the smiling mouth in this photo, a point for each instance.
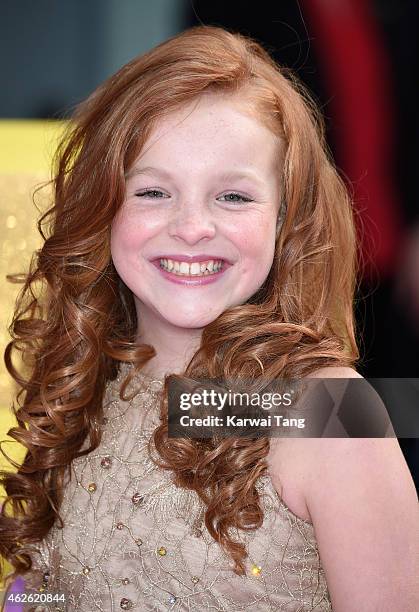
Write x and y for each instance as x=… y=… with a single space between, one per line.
x=196 y=269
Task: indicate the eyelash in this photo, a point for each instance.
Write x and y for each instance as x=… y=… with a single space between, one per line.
x=243 y=199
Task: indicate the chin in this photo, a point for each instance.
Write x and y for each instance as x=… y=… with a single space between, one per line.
x=191 y=321
x=195 y=324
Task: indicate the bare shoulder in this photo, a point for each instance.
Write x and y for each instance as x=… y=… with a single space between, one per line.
x=335 y=372
x=289 y=459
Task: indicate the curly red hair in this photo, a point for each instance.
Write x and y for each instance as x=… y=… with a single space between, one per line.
x=75 y=319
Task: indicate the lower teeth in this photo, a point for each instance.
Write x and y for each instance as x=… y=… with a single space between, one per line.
x=205 y=273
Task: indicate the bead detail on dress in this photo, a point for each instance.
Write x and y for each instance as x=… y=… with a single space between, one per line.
x=137 y=499
x=106 y=462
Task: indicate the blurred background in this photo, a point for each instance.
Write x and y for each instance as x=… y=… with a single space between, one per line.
x=359 y=59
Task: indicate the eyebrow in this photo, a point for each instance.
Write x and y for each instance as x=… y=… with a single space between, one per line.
x=232 y=174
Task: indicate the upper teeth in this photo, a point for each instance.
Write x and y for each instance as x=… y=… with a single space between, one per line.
x=197 y=267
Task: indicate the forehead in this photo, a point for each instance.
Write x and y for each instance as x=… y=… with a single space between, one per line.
x=212 y=128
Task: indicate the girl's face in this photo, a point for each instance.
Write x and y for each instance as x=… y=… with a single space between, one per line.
x=196 y=232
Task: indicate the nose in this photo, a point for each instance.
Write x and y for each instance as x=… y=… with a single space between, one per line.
x=191 y=222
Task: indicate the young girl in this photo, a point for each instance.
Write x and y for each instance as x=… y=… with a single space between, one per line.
x=199 y=228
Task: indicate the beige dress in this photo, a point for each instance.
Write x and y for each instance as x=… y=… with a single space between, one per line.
x=132 y=540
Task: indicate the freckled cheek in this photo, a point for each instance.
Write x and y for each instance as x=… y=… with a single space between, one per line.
x=129 y=235
x=256 y=246
x=255 y=242
x=126 y=251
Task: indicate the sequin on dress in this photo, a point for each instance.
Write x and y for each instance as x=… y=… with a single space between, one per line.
x=132 y=540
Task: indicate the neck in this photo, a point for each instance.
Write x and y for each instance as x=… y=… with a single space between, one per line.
x=174 y=346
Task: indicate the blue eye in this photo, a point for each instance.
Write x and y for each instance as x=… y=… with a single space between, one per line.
x=235 y=195
x=147 y=193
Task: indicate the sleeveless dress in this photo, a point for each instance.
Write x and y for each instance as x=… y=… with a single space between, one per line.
x=132 y=540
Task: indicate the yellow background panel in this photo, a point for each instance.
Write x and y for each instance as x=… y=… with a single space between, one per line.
x=26 y=149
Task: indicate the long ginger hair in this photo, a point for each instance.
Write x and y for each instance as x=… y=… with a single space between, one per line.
x=75 y=320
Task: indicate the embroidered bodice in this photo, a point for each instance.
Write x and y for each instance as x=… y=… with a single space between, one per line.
x=132 y=540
